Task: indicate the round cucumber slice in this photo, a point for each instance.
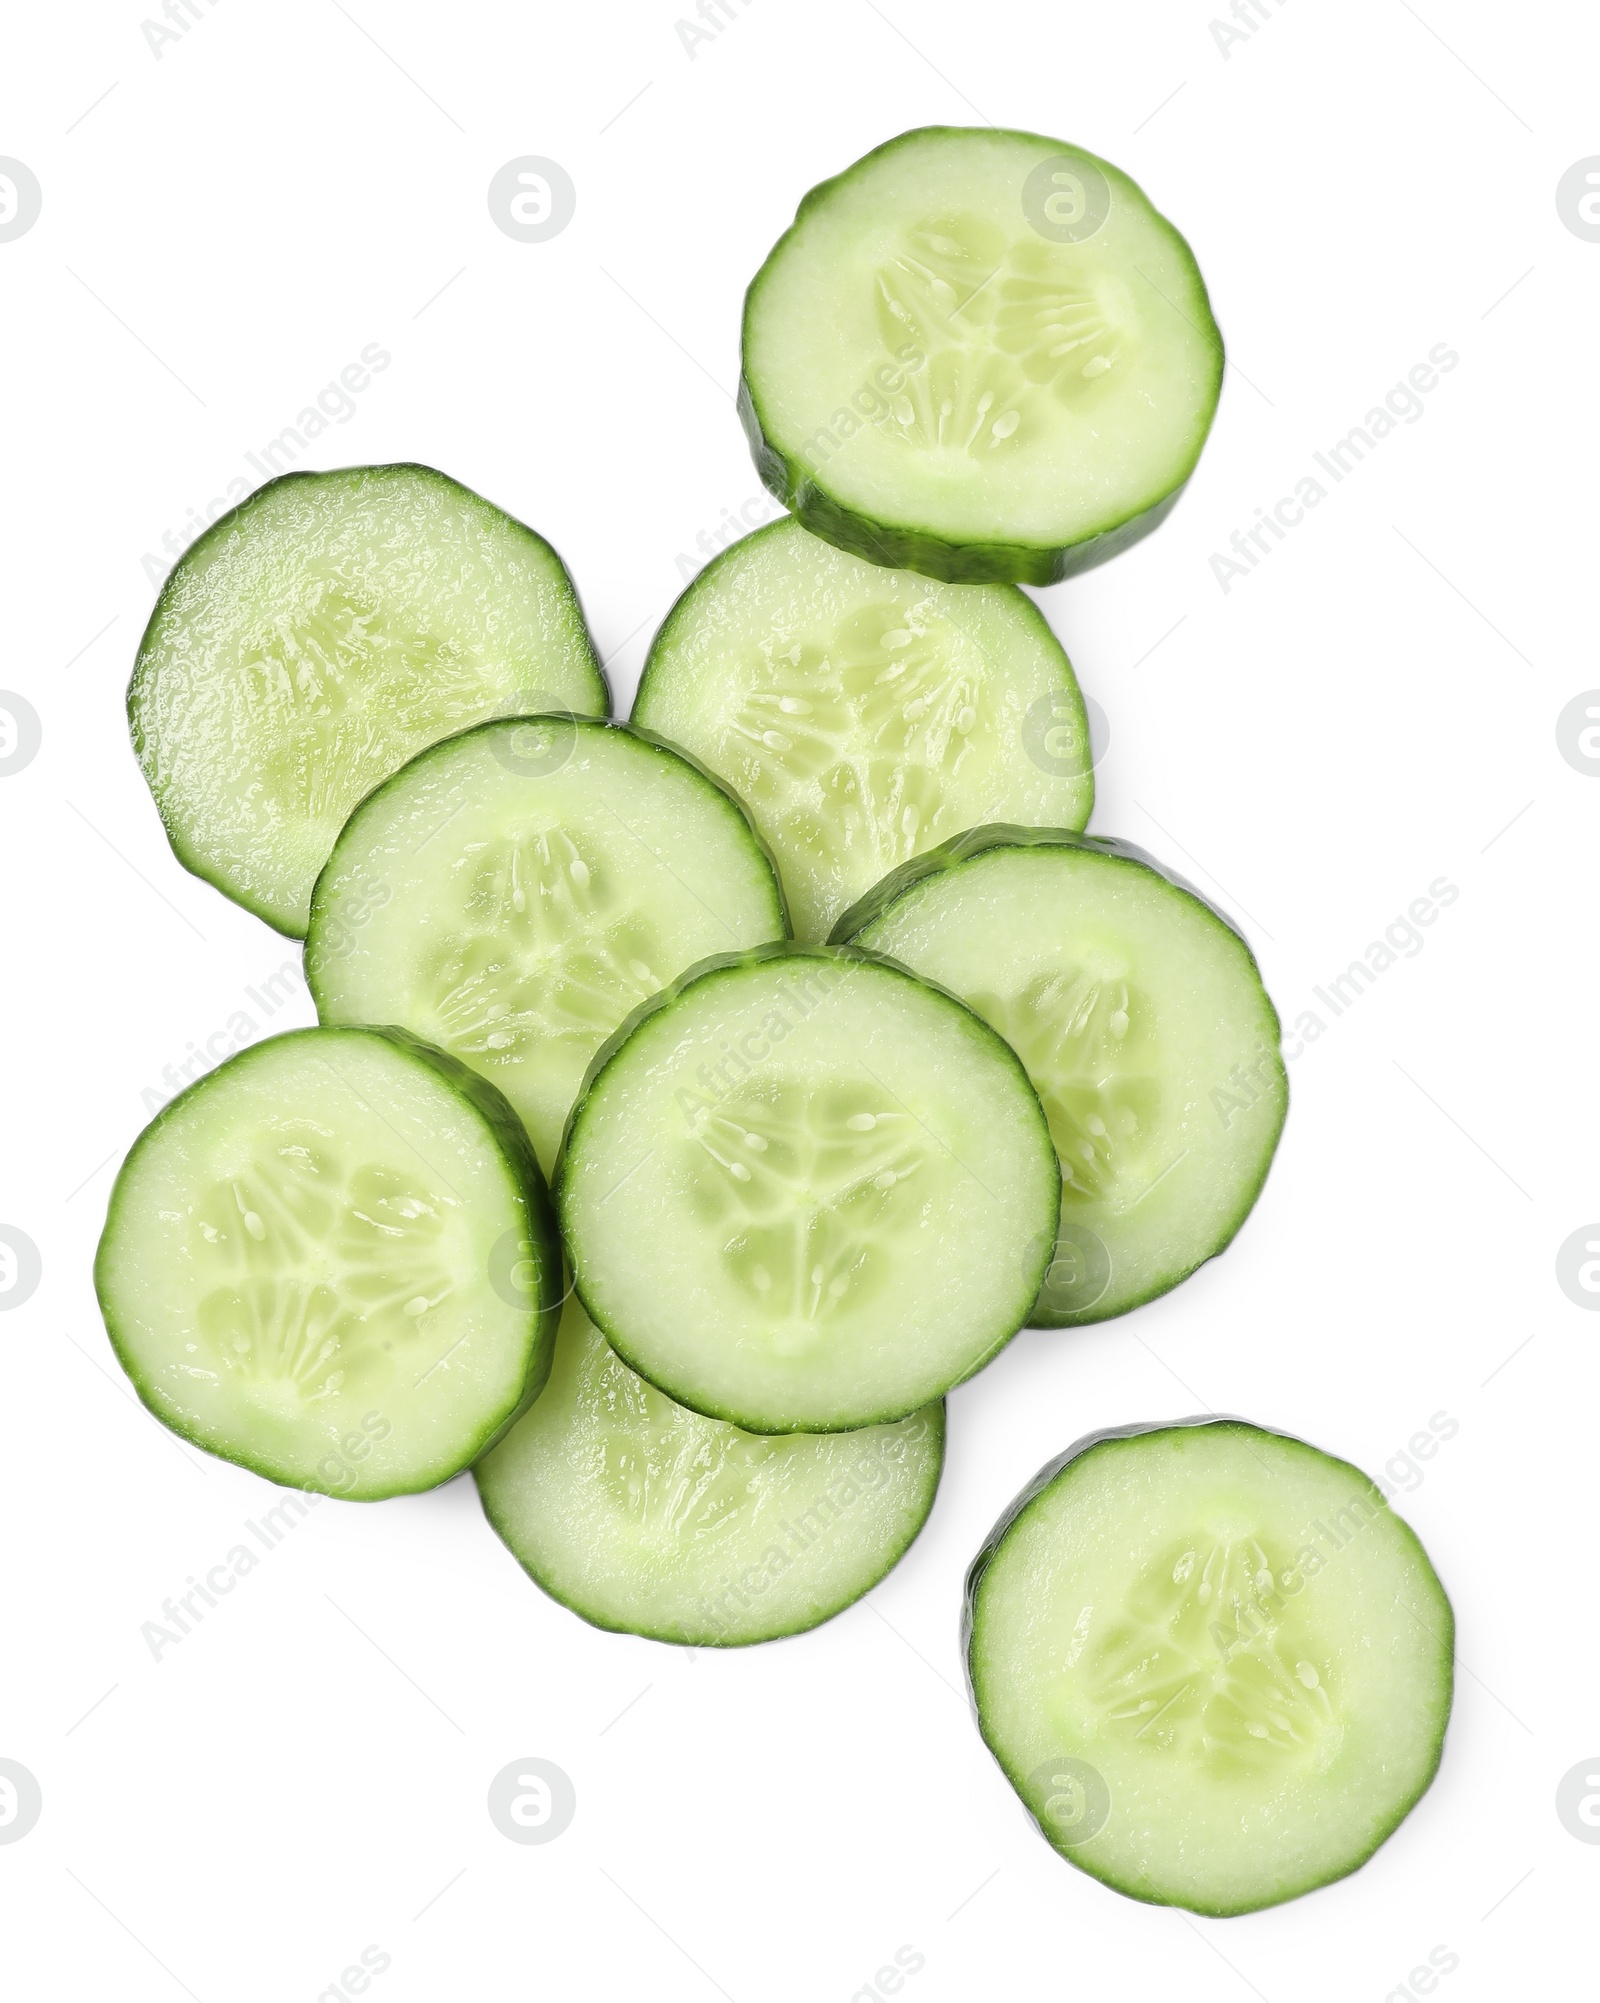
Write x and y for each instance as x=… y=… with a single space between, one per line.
x=865 y=714
x=979 y=354
x=1139 y=1012
x=803 y=1191
x=1211 y=1661
x=306 y=645
x=333 y=1261
x=514 y=892
x=645 y=1517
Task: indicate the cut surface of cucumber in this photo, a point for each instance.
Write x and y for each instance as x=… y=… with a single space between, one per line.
x=643 y=1516
x=333 y=1261
x=802 y=1191
x=1139 y=1013
x=981 y=354
x=515 y=891
x=865 y=714
x=1212 y=1662
x=314 y=639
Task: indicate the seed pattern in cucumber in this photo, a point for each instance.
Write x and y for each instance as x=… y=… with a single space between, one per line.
x=1210 y=1663
x=1087 y=1038
x=865 y=715
x=309 y=1244
x=314 y=639
x=857 y=739
x=805 y=1188
x=804 y=1191
x=1139 y=1014
x=979 y=354
x=541 y=879
x=1013 y=330
x=1213 y=1663
x=581 y=932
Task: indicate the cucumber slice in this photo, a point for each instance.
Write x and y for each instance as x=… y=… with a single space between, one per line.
x=514 y=892
x=316 y=637
x=1214 y=1665
x=333 y=1261
x=645 y=1517
x=803 y=1191
x=1139 y=1012
x=865 y=714
x=980 y=354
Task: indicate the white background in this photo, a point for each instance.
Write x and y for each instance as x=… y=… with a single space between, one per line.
x=1373 y=707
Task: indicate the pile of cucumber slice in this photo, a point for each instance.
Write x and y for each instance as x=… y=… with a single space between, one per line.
x=699 y=1099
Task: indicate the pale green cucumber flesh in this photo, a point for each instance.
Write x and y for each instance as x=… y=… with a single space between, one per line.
x=314 y=639
x=1140 y=1016
x=865 y=714
x=804 y=1192
x=982 y=354
x=1214 y=1665
x=648 y=1518
x=333 y=1260
x=516 y=891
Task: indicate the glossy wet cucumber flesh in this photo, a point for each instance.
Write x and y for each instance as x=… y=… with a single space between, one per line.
x=644 y=1516
x=1212 y=1662
x=1141 y=1018
x=982 y=354
x=516 y=891
x=307 y=645
x=864 y=714
x=806 y=1192
x=306 y=1263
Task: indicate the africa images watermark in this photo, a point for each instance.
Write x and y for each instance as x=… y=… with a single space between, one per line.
x=1249 y=16
x=1424 y=1978
x=1324 y=1540
x=21 y=198
x=715 y=16
x=335 y=940
x=754 y=512
x=800 y=994
x=880 y=397
x=181 y=15
x=1402 y=940
x=182 y=1613
x=240 y=1030
x=821 y=1518
x=890 y=1979
x=334 y=404
x=1402 y=405
x=357 y=1978
x=21 y=733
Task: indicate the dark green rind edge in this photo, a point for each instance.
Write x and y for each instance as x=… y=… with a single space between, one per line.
x=314 y=959
x=686 y=1639
x=176 y=839
x=903 y=545
x=527 y=1183
x=706 y=969
x=963 y=848
x=682 y=608
x=1043 y=1480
